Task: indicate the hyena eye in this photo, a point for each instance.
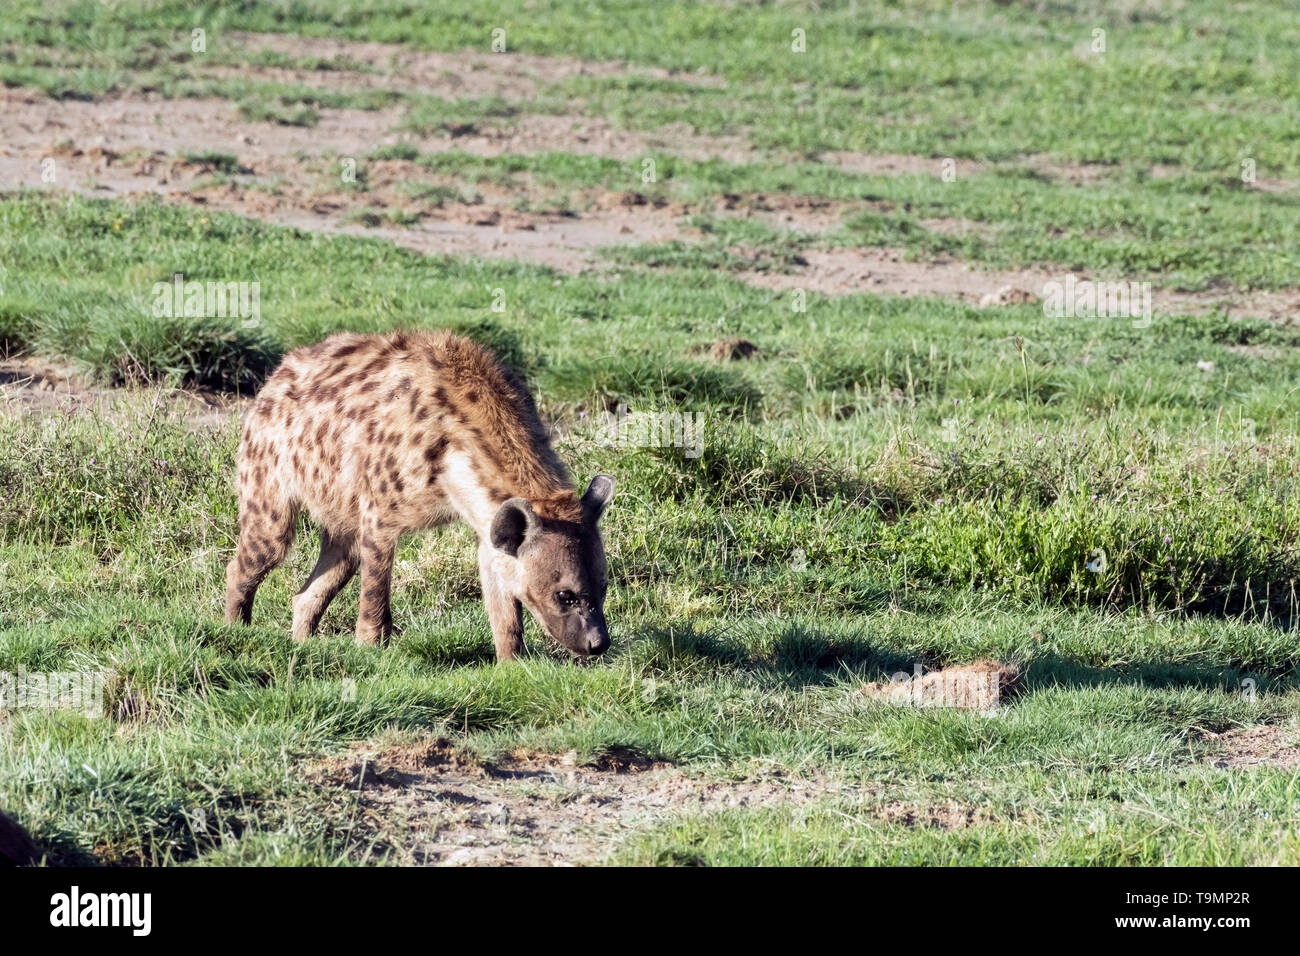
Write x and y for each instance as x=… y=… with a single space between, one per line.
x=566 y=598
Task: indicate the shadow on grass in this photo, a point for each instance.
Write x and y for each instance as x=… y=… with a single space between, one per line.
x=61 y=850
x=802 y=655
x=173 y=838
x=796 y=656
x=1059 y=672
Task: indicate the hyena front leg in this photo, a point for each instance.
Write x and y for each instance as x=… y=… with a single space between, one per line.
x=378 y=545
x=334 y=569
x=266 y=525
x=505 y=614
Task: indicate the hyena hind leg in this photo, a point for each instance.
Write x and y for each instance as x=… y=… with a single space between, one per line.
x=375 y=617
x=334 y=569
x=265 y=536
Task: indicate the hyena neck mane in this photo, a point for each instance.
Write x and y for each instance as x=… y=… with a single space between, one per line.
x=505 y=441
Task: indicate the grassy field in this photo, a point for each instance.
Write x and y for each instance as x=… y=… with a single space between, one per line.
x=890 y=482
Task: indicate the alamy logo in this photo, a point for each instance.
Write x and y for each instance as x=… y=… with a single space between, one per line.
x=74 y=908
x=1086 y=299
x=56 y=690
x=972 y=690
x=628 y=429
x=213 y=300
x=978 y=687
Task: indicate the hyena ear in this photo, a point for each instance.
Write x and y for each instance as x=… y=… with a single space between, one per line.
x=597 y=497
x=515 y=523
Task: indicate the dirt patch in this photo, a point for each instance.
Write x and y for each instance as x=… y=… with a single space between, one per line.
x=132 y=146
x=801 y=213
x=449 y=75
x=37 y=385
x=888 y=271
x=897 y=165
x=407 y=205
x=566 y=244
x=1272 y=746
x=1277 y=185
x=32 y=127
x=1076 y=174
x=430 y=805
x=129 y=145
x=361 y=768
x=588 y=136
x=885 y=271
x=30 y=385
x=616 y=759
x=942 y=816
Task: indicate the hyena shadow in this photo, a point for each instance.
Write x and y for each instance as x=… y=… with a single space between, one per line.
x=796 y=655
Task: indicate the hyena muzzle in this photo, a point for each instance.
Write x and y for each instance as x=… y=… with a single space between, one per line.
x=375 y=435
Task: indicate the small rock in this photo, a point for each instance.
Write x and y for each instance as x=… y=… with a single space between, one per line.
x=491 y=816
x=461 y=857
x=1008 y=295
x=1205 y=366
x=732 y=350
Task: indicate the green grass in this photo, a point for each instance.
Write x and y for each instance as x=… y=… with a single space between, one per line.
x=285 y=113
x=219 y=162
x=431 y=116
x=1215 y=81
x=1190 y=232
x=920 y=497
x=1009 y=464
x=906 y=79
x=890 y=482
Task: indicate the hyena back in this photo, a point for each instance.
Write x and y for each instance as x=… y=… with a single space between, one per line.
x=375 y=435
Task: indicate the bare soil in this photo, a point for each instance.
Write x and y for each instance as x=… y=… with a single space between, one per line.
x=426 y=803
x=516 y=77
x=512 y=76
x=31 y=385
x=943 y=816
x=430 y=805
x=887 y=271
x=130 y=145
x=1275 y=746
x=893 y=164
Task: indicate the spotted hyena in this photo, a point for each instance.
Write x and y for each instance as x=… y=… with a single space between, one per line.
x=379 y=434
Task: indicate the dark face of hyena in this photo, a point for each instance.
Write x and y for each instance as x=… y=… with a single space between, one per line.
x=558 y=570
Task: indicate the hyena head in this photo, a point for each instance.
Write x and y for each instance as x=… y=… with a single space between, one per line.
x=556 y=569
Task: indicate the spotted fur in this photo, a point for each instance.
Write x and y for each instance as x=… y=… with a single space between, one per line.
x=377 y=435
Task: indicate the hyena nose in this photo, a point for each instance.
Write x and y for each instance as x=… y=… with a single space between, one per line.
x=597 y=643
